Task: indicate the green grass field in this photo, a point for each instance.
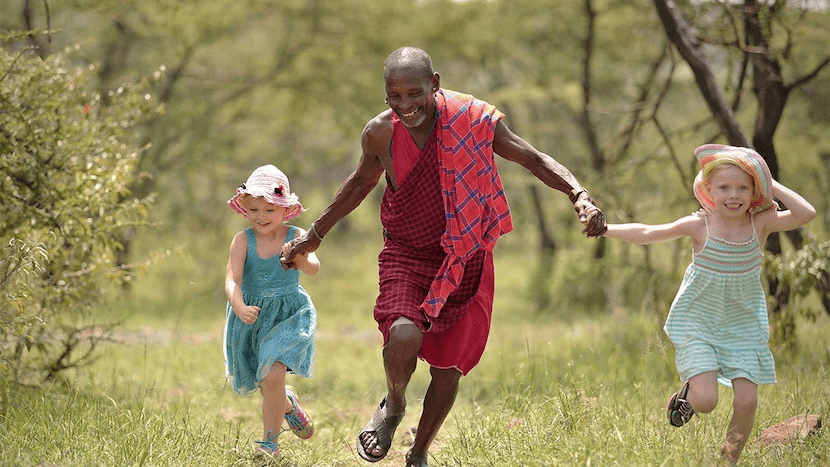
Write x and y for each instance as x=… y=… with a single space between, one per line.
x=574 y=389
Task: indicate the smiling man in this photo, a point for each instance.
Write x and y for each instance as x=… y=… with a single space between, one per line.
x=442 y=212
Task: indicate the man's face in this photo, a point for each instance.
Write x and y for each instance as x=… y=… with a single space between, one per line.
x=409 y=94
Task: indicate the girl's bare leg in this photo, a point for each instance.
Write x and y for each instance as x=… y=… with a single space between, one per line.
x=274 y=401
x=743 y=418
x=703 y=392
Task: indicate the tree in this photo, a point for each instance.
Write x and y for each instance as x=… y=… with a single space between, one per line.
x=66 y=164
x=761 y=62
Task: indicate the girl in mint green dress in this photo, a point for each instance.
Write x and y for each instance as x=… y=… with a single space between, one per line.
x=271 y=320
x=718 y=320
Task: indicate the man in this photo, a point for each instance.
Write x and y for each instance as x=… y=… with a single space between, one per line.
x=442 y=212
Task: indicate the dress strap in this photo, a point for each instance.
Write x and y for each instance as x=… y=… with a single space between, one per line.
x=706 y=220
x=249 y=234
x=289 y=235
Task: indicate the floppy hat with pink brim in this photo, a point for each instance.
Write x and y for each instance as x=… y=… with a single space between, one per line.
x=747 y=159
x=270 y=183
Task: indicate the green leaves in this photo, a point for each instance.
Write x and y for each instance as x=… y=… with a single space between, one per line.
x=64 y=200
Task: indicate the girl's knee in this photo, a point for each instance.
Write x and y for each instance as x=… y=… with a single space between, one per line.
x=745 y=403
x=703 y=400
x=745 y=396
x=275 y=377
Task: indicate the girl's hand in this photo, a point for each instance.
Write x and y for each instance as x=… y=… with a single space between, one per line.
x=247 y=314
x=590 y=216
x=302 y=245
x=589 y=213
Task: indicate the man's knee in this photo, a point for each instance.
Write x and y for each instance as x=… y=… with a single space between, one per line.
x=405 y=338
x=446 y=376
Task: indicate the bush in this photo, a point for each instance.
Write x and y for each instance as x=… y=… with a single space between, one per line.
x=67 y=162
x=802 y=272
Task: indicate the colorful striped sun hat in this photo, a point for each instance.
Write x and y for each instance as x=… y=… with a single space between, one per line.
x=270 y=183
x=711 y=156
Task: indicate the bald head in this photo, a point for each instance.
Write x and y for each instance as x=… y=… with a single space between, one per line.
x=410 y=59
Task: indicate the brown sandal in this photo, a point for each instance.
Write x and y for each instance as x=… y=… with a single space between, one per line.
x=383 y=425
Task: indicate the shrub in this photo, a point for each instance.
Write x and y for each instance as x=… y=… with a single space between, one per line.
x=67 y=161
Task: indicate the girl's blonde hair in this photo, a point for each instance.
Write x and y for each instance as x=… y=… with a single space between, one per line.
x=713 y=167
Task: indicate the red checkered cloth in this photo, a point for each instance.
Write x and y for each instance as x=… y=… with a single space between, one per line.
x=414 y=220
x=474 y=202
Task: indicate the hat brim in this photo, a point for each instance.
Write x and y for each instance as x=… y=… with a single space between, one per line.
x=289 y=201
x=748 y=160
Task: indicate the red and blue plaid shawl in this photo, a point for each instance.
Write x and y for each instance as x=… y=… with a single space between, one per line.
x=474 y=201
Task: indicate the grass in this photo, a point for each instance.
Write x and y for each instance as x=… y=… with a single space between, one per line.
x=572 y=390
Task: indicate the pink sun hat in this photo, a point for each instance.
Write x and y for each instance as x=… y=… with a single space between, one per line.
x=270 y=183
x=711 y=156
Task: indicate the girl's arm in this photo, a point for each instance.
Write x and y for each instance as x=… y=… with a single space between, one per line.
x=233 y=280
x=307 y=262
x=799 y=211
x=643 y=233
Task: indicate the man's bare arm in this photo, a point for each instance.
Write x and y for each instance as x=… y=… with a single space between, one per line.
x=351 y=193
x=553 y=174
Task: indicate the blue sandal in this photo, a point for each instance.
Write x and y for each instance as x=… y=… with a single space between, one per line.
x=269 y=446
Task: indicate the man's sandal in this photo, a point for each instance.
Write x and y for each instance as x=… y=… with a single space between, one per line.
x=416 y=461
x=383 y=426
x=298 y=419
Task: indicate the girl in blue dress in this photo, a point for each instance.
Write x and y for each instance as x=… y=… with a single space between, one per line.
x=718 y=320
x=271 y=320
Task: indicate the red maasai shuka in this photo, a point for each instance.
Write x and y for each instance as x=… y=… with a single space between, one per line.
x=416 y=222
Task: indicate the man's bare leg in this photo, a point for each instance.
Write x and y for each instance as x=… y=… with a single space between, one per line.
x=439 y=400
x=400 y=357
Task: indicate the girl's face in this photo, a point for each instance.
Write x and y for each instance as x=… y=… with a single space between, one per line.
x=264 y=216
x=731 y=189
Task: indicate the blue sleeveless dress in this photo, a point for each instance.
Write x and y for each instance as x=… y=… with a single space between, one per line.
x=718 y=320
x=284 y=330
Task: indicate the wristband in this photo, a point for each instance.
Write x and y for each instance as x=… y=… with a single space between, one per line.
x=574 y=194
x=313 y=230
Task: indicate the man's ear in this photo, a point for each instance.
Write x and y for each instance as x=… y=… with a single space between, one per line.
x=436 y=82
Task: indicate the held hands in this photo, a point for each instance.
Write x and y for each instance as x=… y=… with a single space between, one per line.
x=301 y=245
x=247 y=314
x=590 y=216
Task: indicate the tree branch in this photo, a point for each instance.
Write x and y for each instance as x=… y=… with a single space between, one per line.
x=681 y=35
x=809 y=76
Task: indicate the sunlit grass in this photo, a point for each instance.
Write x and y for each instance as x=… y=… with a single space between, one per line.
x=580 y=389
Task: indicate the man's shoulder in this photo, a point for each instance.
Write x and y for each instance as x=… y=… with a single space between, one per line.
x=382 y=122
x=378 y=131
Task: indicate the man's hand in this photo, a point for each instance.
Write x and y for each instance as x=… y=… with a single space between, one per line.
x=303 y=244
x=590 y=215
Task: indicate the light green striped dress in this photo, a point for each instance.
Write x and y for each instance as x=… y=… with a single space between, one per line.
x=718 y=320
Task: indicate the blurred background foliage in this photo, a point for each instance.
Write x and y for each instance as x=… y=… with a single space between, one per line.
x=220 y=87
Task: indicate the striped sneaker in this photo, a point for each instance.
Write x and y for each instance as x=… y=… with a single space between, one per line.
x=679 y=410
x=298 y=419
